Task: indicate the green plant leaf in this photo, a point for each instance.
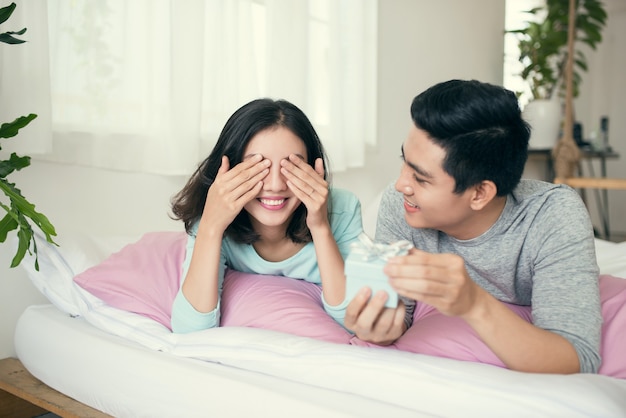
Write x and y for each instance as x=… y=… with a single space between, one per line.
x=17 y=218
x=10 y=129
x=8 y=39
x=7 y=224
x=19 y=32
x=543 y=43
x=14 y=163
x=20 y=209
x=26 y=208
x=24 y=236
x=6 y=12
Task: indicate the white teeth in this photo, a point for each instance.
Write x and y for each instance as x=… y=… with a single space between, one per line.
x=269 y=202
x=410 y=204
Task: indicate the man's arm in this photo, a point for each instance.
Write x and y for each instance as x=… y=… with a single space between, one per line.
x=442 y=281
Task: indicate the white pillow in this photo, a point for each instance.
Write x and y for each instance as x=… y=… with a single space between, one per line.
x=59 y=264
x=611 y=257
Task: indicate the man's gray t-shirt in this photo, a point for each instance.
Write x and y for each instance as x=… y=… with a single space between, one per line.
x=539 y=253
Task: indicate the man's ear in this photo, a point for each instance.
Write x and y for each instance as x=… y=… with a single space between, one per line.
x=484 y=192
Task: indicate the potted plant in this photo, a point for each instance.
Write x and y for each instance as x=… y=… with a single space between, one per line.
x=18 y=209
x=543 y=53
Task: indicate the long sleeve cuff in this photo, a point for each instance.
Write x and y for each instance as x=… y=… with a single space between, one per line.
x=338 y=313
x=186 y=319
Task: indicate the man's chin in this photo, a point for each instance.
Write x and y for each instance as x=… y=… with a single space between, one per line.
x=414 y=220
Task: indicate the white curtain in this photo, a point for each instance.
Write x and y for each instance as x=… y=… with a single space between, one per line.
x=147 y=85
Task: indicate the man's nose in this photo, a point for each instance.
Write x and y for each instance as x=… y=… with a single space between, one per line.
x=403 y=183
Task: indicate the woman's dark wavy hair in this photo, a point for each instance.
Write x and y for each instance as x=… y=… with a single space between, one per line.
x=480 y=127
x=245 y=123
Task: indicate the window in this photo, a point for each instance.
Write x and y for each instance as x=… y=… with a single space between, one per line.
x=147 y=85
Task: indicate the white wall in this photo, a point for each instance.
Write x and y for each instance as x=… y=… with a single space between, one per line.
x=421 y=42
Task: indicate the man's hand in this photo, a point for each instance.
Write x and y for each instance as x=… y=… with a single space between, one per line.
x=371 y=321
x=439 y=280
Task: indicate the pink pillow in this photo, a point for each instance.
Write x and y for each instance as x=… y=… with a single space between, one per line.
x=439 y=335
x=280 y=304
x=143 y=277
x=613 y=345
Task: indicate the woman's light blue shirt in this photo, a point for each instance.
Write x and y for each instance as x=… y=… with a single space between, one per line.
x=346 y=225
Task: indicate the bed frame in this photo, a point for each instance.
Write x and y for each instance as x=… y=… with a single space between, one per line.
x=23 y=395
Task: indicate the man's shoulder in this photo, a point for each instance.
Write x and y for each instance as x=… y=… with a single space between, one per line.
x=530 y=189
x=548 y=203
x=532 y=186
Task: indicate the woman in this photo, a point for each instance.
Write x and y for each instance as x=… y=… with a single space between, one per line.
x=261 y=203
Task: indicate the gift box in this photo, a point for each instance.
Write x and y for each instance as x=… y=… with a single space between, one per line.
x=364 y=267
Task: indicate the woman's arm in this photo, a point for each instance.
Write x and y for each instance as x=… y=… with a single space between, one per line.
x=226 y=197
x=309 y=186
x=185 y=318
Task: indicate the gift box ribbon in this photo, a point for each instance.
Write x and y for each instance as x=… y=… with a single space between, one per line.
x=370 y=250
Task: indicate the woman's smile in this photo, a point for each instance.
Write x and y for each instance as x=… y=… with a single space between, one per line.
x=273 y=203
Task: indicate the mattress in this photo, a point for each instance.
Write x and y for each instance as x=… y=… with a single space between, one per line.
x=125 y=379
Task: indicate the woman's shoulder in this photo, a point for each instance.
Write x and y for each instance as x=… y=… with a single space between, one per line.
x=342 y=199
x=345 y=217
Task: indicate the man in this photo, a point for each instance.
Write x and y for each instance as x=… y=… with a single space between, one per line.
x=484 y=238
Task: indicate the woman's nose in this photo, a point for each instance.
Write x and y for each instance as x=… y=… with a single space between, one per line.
x=275 y=181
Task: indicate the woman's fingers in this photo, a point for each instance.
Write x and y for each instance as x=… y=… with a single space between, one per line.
x=243 y=177
x=307 y=183
x=225 y=166
x=235 y=187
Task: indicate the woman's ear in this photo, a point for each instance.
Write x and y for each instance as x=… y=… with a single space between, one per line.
x=484 y=192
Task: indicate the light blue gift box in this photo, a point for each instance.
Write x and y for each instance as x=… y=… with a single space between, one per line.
x=364 y=267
